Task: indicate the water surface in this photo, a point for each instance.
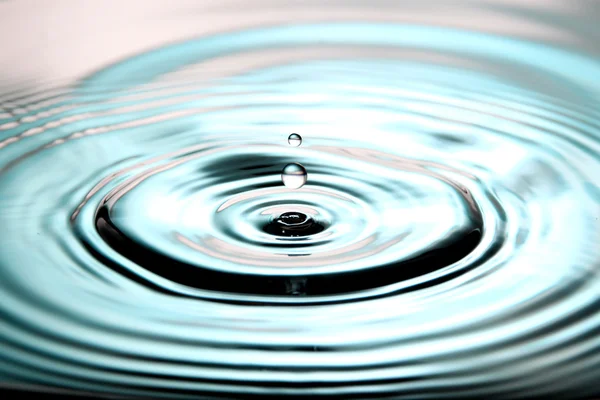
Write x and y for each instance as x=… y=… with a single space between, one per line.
x=444 y=245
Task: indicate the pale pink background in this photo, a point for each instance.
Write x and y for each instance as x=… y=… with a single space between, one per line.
x=59 y=40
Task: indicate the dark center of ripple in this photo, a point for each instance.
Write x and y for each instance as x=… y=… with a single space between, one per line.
x=294 y=224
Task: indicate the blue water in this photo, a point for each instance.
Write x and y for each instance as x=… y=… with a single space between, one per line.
x=449 y=232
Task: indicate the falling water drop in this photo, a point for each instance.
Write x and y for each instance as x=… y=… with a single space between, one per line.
x=295 y=140
x=293 y=176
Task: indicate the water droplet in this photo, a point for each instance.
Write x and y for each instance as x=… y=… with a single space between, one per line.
x=295 y=140
x=294 y=176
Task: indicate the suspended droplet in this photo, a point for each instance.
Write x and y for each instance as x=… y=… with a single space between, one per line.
x=294 y=176
x=295 y=140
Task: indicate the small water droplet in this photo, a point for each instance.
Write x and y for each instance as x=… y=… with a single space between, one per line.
x=295 y=140
x=294 y=176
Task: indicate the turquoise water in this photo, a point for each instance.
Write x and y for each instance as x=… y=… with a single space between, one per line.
x=446 y=241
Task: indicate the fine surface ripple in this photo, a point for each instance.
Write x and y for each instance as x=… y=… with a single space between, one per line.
x=447 y=242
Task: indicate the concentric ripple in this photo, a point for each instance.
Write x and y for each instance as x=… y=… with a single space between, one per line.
x=446 y=240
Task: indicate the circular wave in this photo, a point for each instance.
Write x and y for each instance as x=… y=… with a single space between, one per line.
x=457 y=201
